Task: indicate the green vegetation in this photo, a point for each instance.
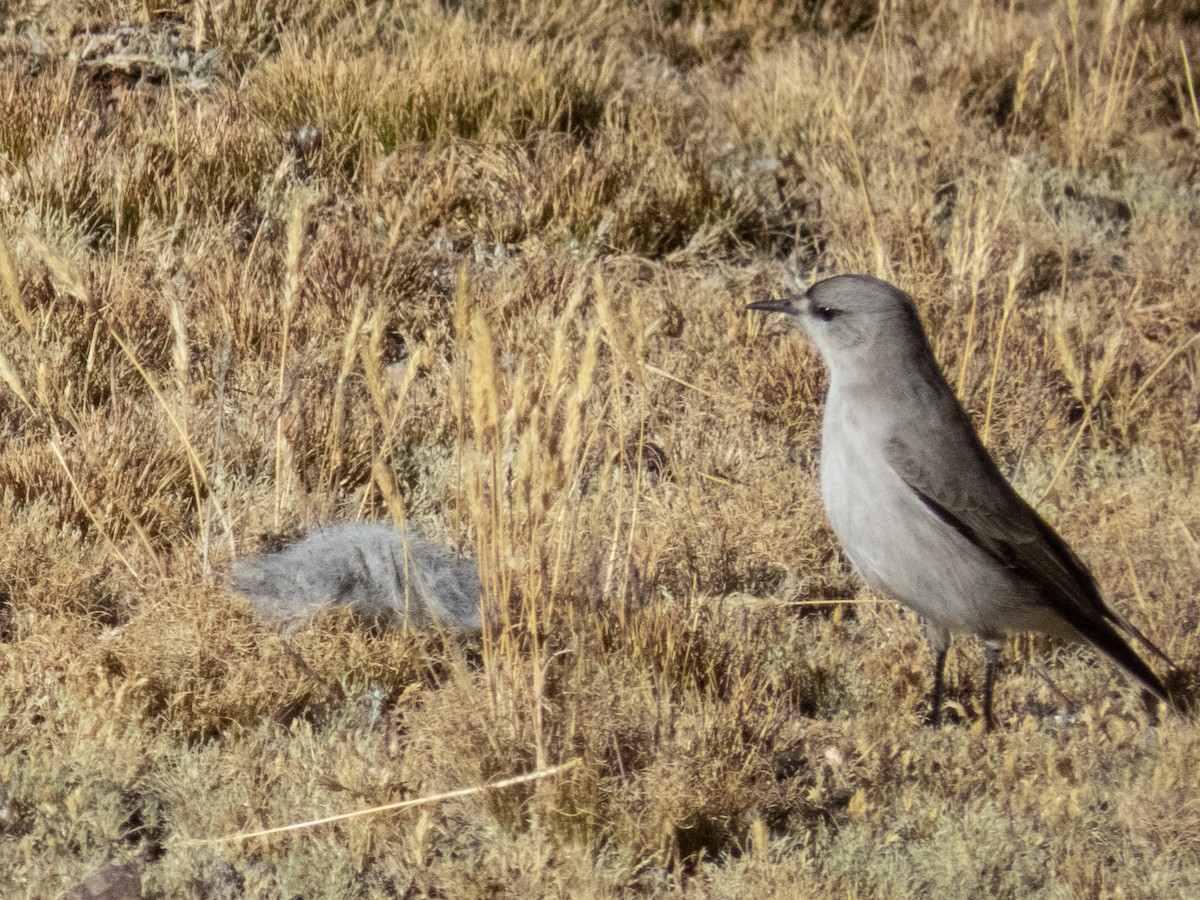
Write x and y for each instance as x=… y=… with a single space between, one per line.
x=464 y=265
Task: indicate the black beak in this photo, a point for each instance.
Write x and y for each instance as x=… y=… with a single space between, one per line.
x=782 y=306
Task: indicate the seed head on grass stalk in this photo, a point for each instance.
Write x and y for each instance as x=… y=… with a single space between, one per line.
x=291 y=294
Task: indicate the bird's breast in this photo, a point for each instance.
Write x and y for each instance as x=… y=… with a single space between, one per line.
x=852 y=478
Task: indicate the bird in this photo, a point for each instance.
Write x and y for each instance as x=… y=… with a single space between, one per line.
x=920 y=507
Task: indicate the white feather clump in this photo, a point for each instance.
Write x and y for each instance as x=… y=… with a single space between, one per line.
x=390 y=577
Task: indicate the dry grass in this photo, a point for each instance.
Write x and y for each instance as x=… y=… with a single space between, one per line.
x=265 y=266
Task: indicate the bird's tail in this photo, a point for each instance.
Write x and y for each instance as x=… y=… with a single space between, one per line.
x=1100 y=633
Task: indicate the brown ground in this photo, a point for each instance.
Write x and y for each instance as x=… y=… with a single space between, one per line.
x=269 y=265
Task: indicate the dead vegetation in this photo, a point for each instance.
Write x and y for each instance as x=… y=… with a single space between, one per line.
x=479 y=269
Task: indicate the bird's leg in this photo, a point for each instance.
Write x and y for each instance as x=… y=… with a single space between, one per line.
x=939 y=667
x=939 y=642
x=991 y=656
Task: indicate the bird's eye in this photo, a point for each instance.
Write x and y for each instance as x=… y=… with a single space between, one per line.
x=826 y=313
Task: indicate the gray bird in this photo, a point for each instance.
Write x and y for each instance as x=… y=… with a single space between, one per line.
x=918 y=504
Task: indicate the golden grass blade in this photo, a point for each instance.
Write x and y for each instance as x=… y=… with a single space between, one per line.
x=1066 y=458
x=12 y=289
x=10 y=377
x=1166 y=361
x=1010 y=299
x=1191 y=83
x=857 y=601
x=391 y=807
x=87 y=508
x=663 y=373
x=198 y=472
x=291 y=294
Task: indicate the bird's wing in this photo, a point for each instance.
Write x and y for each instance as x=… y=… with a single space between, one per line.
x=954 y=476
